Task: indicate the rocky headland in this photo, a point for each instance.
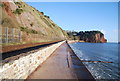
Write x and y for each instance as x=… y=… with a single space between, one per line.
x=87 y=36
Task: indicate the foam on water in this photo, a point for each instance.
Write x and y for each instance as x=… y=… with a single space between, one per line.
x=99 y=52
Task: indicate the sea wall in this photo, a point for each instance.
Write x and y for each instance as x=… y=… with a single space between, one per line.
x=24 y=66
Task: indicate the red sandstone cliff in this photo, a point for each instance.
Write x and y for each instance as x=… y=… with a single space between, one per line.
x=100 y=38
x=87 y=36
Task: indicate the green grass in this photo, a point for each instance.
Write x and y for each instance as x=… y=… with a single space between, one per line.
x=20 y=43
x=30 y=31
x=8 y=44
x=41 y=41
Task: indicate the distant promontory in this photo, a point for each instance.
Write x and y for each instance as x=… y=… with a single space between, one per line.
x=87 y=36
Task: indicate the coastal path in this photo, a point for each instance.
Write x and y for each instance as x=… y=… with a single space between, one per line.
x=62 y=64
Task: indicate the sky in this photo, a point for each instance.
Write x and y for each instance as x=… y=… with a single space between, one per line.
x=83 y=16
x=71 y=0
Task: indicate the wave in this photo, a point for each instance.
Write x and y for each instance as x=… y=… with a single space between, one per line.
x=99 y=70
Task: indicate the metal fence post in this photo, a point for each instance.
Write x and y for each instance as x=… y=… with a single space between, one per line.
x=0 y=35
x=6 y=34
x=19 y=35
x=13 y=35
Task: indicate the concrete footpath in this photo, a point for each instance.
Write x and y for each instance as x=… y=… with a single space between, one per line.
x=62 y=64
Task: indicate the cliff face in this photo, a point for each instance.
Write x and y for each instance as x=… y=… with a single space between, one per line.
x=26 y=18
x=96 y=38
x=100 y=38
x=88 y=36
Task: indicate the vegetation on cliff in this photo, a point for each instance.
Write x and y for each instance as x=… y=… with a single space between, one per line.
x=30 y=21
x=87 y=36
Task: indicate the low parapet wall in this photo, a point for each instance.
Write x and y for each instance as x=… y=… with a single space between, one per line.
x=24 y=66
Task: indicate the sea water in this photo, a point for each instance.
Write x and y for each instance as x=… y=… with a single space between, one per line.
x=107 y=52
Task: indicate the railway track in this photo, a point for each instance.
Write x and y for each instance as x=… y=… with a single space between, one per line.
x=15 y=52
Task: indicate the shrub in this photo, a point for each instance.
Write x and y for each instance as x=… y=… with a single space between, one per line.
x=25 y=29
x=47 y=16
x=34 y=31
x=53 y=24
x=31 y=24
x=42 y=13
x=18 y=11
x=5 y=20
x=17 y=3
x=19 y=6
x=1 y=5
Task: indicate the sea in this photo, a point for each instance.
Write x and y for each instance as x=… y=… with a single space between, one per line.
x=96 y=58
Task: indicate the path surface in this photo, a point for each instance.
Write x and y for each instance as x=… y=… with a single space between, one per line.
x=55 y=67
x=62 y=64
